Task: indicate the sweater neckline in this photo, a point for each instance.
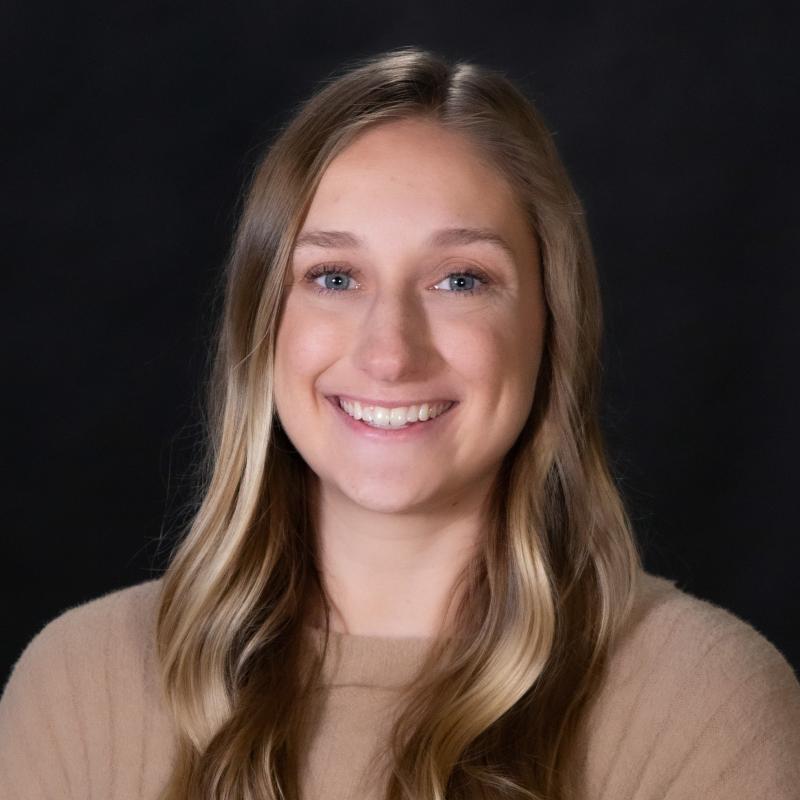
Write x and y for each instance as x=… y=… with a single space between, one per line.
x=372 y=661
x=393 y=662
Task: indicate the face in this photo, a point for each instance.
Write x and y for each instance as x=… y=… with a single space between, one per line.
x=431 y=294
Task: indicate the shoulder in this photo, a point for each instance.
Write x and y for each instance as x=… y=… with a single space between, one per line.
x=111 y=628
x=695 y=699
x=694 y=640
x=84 y=698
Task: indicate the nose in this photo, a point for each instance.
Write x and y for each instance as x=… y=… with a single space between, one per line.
x=393 y=339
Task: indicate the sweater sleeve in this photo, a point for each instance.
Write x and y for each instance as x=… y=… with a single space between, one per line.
x=42 y=750
x=746 y=742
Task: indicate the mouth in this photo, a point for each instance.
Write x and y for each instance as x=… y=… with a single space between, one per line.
x=381 y=427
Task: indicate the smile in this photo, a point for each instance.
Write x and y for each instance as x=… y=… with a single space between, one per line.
x=396 y=417
x=421 y=426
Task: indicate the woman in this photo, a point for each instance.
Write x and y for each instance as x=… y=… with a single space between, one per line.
x=410 y=574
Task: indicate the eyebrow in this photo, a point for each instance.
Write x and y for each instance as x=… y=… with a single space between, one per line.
x=440 y=238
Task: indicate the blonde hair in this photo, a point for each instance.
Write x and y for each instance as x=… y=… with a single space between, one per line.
x=498 y=713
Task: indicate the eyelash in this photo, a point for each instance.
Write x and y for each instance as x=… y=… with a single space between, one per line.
x=329 y=269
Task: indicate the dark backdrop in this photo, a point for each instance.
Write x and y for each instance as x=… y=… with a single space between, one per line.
x=128 y=129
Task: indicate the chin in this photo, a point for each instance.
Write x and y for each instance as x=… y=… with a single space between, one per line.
x=386 y=499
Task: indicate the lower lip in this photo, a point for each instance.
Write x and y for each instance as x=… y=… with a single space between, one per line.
x=414 y=430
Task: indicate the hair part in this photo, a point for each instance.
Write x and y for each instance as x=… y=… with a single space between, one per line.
x=499 y=711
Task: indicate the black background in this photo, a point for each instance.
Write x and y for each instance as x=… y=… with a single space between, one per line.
x=129 y=128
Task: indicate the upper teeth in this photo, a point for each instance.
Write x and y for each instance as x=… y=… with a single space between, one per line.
x=381 y=417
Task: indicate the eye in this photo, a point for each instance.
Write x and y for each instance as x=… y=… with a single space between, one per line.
x=336 y=283
x=335 y=279
x=469 y=281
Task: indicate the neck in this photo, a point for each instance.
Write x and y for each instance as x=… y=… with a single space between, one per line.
x=393 y=575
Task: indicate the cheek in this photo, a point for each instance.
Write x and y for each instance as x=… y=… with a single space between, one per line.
x=496 y=357
x=305 y=345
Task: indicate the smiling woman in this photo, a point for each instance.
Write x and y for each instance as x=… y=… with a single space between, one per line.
x=410 y=575
x=403 y=215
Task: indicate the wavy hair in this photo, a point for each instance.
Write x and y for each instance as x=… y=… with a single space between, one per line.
x=498 y=712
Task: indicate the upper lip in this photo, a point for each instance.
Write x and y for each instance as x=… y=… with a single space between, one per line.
x=364 y=401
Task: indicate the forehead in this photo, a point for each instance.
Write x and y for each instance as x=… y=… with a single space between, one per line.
x=413 y=172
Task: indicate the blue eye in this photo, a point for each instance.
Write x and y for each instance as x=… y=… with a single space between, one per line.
x=465 y=282
x=336 y=280
x=335 y=283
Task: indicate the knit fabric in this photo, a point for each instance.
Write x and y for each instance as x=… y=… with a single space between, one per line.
x=695 y=703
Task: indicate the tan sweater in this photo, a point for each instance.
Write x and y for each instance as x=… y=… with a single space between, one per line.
x=695 y=704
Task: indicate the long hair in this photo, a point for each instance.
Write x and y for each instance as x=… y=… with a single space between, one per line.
x=498 y=711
